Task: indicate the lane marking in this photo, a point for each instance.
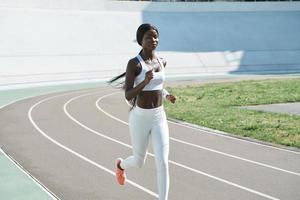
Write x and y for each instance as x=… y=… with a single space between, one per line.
x=225 y=135
x=15 y=162
x=13 y=101
x=202 y=129
x=30 y=176
x=170 y=161
x=198 y=146
x=76 y=153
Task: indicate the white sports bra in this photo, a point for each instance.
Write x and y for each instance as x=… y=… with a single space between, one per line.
x=158 y=77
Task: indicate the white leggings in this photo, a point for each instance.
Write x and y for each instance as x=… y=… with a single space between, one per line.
x=143 y=124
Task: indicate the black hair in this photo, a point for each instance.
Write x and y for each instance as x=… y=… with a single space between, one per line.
x=142 y=29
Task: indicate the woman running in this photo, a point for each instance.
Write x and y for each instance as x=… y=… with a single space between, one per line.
x=144 y=79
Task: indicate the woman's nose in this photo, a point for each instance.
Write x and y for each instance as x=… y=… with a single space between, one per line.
x=155 y=39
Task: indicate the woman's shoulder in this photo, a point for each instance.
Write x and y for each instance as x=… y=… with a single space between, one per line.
x=133 y=61
x=134 y=65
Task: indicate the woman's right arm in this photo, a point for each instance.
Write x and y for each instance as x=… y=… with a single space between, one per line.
x=130 y=91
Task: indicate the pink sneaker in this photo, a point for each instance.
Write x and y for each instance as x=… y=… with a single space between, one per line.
x=120 y=174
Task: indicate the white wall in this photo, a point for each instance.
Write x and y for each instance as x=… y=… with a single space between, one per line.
x=80 y=40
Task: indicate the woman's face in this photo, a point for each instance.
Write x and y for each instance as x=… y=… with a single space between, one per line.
x=150 y=40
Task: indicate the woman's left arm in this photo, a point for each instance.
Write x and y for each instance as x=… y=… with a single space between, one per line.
x=168 y=96
x=165 y=93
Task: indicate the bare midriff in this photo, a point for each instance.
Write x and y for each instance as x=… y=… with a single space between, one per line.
x=149 y=99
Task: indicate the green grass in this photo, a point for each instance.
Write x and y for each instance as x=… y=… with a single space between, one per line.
x=217 y=106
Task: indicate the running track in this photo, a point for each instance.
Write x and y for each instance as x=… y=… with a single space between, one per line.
x=69 y=141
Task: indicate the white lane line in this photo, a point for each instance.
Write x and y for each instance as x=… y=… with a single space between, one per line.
x=170 y=161
x=86 y=127
x=76 y=153
x=32 y=96
x=221 y=134
x=30 y=176
x=198 y=146
x=225 y=135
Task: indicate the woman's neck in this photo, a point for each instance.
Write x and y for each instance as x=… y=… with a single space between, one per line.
x=148 y=55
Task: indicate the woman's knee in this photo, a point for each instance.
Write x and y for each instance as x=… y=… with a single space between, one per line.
x=162 y=165
x=162 y=159
x=139 y=161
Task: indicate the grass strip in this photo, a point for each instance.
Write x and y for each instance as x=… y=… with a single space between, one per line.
x=217 y=106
